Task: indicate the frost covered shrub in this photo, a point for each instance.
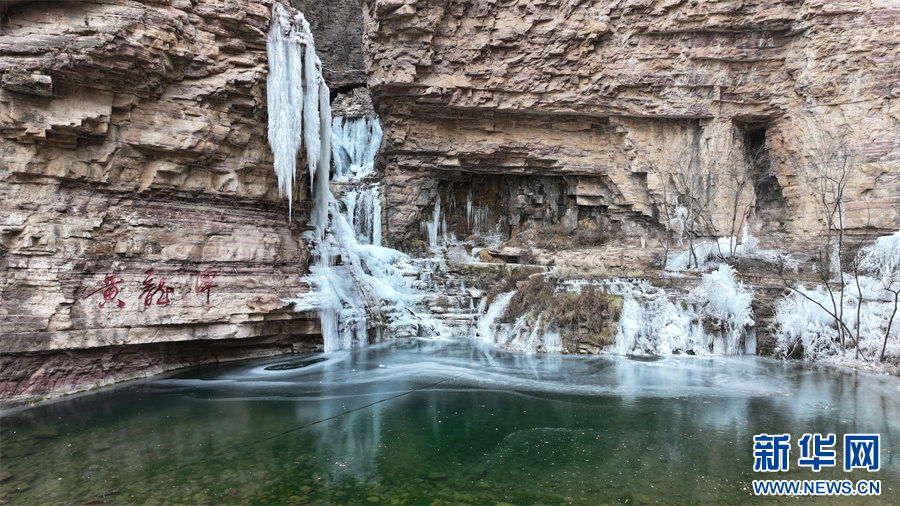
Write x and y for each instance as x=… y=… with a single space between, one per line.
x=588 y=316
x=707 y=254
x=701 y=255
x=880 y=263
x=810 y=322
x=805 y=328
x=725 y=304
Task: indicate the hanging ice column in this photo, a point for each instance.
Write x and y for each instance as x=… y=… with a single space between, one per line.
x=358 y=290
x=295 y=83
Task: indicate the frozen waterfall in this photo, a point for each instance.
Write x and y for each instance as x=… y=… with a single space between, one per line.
x=715 y=318
x=354 y=145
x=363 y=291
x=359 y=288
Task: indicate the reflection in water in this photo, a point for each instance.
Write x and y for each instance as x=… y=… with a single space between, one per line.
x=419 y=421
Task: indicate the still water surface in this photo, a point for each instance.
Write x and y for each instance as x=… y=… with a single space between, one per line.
x=425 y=422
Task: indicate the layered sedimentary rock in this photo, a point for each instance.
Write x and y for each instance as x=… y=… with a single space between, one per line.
x=338 y=28
x=637 y=107
x=139 y=206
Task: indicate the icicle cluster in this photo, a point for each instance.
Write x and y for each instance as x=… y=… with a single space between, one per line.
x=354 y=145
x=725 y=303
x=363 y=204
x=434 y=225
x=519 y=336
x=298 y=101
x=653 y=323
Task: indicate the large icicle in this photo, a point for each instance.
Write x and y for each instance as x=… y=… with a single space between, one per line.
x=284 y=91
x=312 y=120
x=320 y=173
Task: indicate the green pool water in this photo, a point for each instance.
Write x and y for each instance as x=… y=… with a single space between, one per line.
x=444 y=422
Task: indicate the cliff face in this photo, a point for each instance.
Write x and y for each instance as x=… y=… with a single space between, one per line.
x=139 y=206
x=140 y=226
x=337 y=26
x=628 y=105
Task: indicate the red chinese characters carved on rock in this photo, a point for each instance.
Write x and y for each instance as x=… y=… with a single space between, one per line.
x=204 y=282
x=110 y=291
x=152 y=288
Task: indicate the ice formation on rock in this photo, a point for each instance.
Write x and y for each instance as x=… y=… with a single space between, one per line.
x=538 y=336
x=656 y=322
x=354 y=145
x=298 y=103
x=359 y=288
x=288 y=36
x=706 y=254
x=725 y=304
x=715 y=318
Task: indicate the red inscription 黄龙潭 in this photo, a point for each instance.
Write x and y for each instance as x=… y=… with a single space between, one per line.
x=152 y=288
x=205 y=282
x=110 y=291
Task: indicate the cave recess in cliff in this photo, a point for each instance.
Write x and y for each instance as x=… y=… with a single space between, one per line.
x=757 y=158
